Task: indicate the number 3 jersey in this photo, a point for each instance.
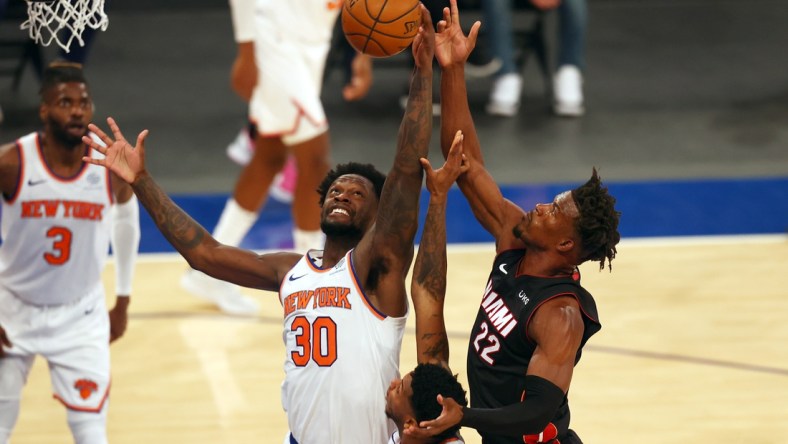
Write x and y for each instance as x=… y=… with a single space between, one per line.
x=500 y=349
x=341 y=355
x=55 y=230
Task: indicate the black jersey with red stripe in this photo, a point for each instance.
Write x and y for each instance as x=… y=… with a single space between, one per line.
x=500 y=349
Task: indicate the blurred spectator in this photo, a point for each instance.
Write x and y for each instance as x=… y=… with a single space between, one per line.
x=568 y=78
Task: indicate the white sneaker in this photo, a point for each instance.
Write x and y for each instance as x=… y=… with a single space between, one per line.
x=225 y=295
x=568 y=92
x=505 y=95
x=241 y=149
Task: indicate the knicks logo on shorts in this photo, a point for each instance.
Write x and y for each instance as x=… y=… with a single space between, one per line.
x=86 y=388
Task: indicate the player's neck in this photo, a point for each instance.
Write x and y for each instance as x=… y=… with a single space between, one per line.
x=537 y=263
x=62 y=158
x=335 y=249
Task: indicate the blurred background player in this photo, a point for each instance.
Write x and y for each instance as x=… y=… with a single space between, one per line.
x=59 y=215
x=290 y=46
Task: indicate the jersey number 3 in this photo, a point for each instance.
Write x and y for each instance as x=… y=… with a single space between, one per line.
x=317 y=341
x=61 y=246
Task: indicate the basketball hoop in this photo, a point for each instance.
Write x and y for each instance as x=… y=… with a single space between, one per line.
x=47 y=18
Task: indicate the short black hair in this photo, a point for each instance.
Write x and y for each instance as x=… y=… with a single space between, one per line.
x=61 y=72
x=598 y=221
x=365 y=170
x=427 y=382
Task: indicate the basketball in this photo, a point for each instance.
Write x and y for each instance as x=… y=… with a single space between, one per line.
x=380 y=28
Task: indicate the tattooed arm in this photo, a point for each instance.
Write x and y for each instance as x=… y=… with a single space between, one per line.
x=192 y=241
x=428 y=287
x=384 y=255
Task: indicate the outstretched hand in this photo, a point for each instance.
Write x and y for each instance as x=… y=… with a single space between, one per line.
x=450 y=416
x=452 y=47
x=120 y=157
x=439 y=181
x=424 y=42
x=360 y=80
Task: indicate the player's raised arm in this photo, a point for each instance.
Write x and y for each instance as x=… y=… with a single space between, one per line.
x=488 y=204
x=390 y=246
x=192 y=241
x=428 y=287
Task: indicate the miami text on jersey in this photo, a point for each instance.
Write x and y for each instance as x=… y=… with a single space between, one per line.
x=497 y=311
x=320 y=297
x=74 y=209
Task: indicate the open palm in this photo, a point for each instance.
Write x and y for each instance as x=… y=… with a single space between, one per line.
x=451 y=45
x=120 y=157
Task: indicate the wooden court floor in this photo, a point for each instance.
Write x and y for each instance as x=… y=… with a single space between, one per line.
x=694 y=348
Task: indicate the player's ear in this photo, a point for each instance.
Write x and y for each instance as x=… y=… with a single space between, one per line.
x=566 y=245
x=43 y=111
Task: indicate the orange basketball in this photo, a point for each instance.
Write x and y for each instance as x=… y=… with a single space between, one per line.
x=380 y=28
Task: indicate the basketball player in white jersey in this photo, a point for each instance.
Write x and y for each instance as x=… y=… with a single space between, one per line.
x=282 y=51
x=414 y=398
x=345 y=307
x=58 y=217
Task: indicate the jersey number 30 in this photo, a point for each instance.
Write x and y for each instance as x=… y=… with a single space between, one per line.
x=317 y=341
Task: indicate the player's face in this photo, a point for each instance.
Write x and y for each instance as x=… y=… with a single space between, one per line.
x=398 y=406
x=549 y=223
x=350 y=206
x=67 y=110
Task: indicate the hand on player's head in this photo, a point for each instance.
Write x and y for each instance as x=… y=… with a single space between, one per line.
x=120 y=157
x=424 y=42
x=452 y=46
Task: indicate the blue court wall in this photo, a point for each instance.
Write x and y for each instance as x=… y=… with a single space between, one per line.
x=649 y=209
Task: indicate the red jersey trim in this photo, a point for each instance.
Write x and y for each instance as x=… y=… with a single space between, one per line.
x=19 y=179
x=85 y=409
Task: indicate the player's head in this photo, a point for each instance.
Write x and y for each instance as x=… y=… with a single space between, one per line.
x=413 y=398
x=597 y=225
x=349 y=196
x=66 y=106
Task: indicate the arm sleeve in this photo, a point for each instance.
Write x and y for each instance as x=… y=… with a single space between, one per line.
x=542 y=400
x=242 y=12
x=125 y=243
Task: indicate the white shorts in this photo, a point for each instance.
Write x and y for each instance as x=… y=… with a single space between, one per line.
x=286 y=101
x=73 y=338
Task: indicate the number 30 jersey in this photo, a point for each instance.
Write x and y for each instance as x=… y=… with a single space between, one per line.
x=341 y=355
x=55 y=230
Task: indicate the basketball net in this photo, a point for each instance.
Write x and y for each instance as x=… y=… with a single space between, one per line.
x=46 y=20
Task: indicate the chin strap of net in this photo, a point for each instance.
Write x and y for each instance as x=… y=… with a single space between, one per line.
x=63 y=20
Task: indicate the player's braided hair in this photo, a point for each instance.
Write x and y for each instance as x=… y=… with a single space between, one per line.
x=61 y=72
x=429 y=381
x=361 y=169
x=598 y=221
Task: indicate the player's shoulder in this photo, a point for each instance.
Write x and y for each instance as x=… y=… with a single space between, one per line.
x=9 y=158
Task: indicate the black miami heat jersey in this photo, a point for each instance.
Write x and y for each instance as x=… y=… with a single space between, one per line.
x=500 y=349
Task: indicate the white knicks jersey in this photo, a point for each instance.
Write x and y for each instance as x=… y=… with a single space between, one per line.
x=55 y=230
x=341 y=355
